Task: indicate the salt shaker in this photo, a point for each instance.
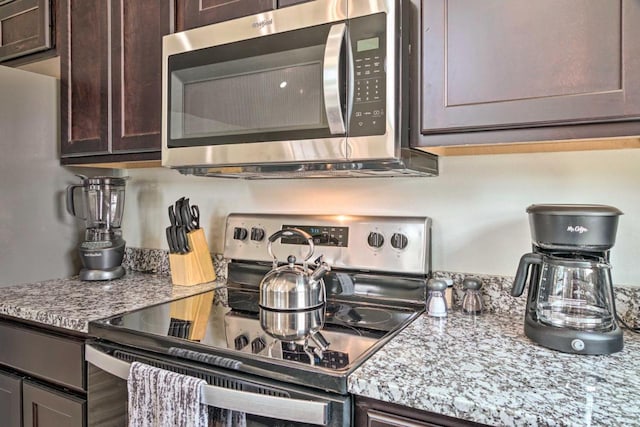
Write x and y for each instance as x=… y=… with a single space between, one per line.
x=436 y=303
x=472 y=299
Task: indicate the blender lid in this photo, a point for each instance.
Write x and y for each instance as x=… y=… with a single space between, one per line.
x=574 y=209
x=105 y=180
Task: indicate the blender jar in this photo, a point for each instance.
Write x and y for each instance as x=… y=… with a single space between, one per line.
x=102 y=206
x=575 y=294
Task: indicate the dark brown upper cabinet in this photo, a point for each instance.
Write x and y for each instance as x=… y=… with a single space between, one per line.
x=513 y=71
x=111 y=76
x=25 y=28
x=192 y=14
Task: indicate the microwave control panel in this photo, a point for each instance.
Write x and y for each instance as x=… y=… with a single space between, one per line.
x=368 y=45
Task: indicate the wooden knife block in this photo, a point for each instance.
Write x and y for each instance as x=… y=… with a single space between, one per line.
x=194 y=267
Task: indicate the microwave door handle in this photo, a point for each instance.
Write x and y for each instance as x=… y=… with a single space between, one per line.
x=280 y=408
x=331 y=79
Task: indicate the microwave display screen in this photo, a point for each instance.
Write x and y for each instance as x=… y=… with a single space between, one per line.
x=368 y=44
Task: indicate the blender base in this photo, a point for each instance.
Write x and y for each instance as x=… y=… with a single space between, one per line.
x=106 y=274
x=574 y=341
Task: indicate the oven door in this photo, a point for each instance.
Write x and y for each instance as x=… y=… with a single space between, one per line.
x=265 y=402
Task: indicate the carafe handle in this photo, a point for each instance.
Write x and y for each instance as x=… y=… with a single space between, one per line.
x=523 y=269
x=71 y=206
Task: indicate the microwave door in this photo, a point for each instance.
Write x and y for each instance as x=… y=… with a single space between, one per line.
x=287 y=87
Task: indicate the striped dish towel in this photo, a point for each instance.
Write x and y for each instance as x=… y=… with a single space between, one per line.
x=159 y=398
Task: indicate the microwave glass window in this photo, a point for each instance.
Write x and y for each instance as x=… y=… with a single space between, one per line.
x=275 y=92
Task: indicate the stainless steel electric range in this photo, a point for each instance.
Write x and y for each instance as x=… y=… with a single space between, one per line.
x=379 y=267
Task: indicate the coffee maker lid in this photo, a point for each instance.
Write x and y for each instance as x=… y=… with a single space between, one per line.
x=574 y=210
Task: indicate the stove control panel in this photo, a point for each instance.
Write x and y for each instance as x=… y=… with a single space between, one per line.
x=368 y=243
x=322 y=235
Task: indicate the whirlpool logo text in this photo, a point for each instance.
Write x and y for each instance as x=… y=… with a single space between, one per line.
x=263 y=23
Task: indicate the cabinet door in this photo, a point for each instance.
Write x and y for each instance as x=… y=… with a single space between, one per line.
x=10 y=404
x=136 y=64
x=44 y=407
x=285 y=3
x=25 y=27
x=191 y=14
x=495 y=64
x=84 y=73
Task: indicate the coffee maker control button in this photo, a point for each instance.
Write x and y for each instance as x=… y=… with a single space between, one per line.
x=399 y=241
x=375 y=240
x=257 y=234
x=239 y=233
x=577 y=345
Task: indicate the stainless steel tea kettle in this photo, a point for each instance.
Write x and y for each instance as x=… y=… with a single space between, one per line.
x=292 y=297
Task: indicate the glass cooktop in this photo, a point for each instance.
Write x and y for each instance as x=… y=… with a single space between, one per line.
x=214 y=329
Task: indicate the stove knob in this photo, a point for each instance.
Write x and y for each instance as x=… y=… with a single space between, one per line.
x=240 y=342
x=399 y=241
x=375 y=239
x=257 y=234
x=257 y=345
x=239 y=233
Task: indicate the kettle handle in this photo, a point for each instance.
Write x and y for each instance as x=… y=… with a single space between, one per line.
x=288 y=232
x=521 y=274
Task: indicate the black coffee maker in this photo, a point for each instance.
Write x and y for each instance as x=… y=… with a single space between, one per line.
x=570 y=304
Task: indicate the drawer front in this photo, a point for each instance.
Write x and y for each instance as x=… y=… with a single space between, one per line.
x=50 y=357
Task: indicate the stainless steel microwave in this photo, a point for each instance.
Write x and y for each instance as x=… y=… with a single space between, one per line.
x=317 y=89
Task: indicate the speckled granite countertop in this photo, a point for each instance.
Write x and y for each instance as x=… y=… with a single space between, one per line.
x=72 y=304
x=484 y=369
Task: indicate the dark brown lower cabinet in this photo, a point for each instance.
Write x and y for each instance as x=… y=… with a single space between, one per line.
x=46 y=407
x=376 y=413
x=26 y=403
x=42 y=377
x=10 y=399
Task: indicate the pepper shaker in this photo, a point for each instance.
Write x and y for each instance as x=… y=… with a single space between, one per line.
x=436 y=303
x=472 y=299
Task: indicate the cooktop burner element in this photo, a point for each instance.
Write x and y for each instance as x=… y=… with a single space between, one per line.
x=365 y=316
x=379 y=268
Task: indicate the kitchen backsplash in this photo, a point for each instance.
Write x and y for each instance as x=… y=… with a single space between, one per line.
x=478 y=204
x=496 y=290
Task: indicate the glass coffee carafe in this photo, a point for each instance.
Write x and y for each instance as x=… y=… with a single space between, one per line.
x=570 y=304
x=102 y=207
x=575 y=294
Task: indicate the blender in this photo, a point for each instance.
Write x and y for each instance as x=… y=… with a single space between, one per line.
x=102 y=250
x=570 y=304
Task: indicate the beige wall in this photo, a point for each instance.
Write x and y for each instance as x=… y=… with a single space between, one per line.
x=477 y=203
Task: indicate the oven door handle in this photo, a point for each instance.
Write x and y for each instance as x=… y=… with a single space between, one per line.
x=331 y=79
x=280 y=408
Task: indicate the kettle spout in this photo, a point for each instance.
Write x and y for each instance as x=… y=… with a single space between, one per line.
x=321 y=269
